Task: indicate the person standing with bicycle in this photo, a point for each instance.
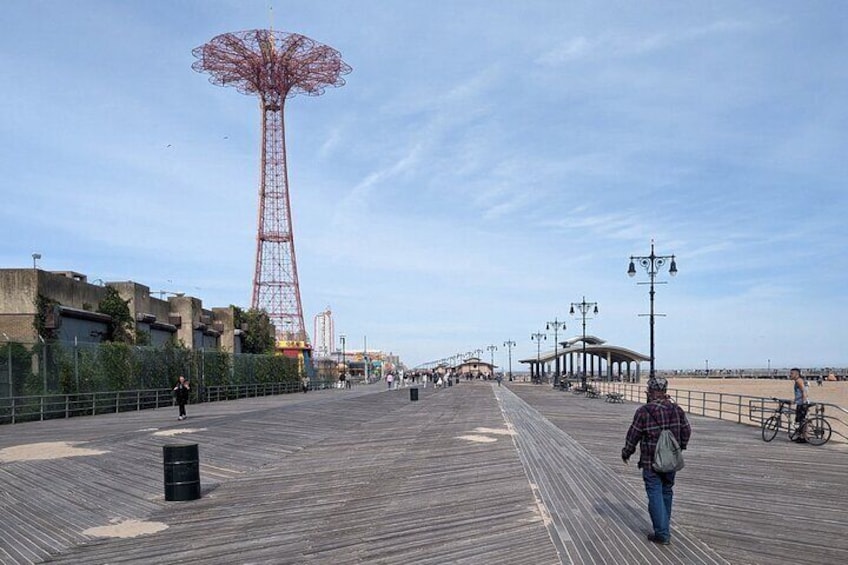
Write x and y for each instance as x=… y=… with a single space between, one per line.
x=801 y=401
x=650 y=420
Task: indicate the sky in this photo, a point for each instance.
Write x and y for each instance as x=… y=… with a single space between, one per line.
x=486 y=164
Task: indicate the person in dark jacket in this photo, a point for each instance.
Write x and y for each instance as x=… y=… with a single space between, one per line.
x=181 y=392
x=650 y=419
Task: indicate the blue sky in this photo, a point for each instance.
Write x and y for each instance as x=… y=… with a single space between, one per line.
x=486 y=164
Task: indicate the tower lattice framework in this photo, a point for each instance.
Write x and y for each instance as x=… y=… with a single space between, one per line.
x=274 y=66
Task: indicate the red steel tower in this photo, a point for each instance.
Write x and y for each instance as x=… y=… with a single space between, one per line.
x=274 y=66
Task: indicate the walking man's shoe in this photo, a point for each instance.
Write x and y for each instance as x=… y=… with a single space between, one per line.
x=655 y=539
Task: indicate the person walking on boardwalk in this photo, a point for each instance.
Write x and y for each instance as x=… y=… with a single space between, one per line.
x=389 y=378
x=181 y=392
x=801 y=400
x=650 y=419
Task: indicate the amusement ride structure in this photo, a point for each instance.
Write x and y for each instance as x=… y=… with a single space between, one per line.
x=274 y=66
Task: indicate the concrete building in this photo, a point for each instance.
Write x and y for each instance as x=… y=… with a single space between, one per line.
x=68 y=304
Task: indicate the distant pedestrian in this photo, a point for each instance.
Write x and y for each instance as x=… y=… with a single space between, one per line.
x=658 y=414
x=499 y=378
x=304 y=384
x=389 y=379
x=181 y=393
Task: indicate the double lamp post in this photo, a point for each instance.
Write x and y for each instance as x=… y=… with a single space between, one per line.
x=652 y=264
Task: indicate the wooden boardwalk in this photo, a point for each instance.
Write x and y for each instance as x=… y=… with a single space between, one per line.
x=470 y=474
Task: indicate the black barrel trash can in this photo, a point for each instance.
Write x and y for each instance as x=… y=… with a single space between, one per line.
x=182 y=471
x=413 y=394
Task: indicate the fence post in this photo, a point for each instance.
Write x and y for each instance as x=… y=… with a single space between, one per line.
x=117 y=400
x=67 y=406
x=138 y=401
x=720 y=404
x=76 y=362
x=13 y=409
x=42 y=407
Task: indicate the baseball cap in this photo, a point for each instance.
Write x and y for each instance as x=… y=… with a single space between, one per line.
x=657 y=383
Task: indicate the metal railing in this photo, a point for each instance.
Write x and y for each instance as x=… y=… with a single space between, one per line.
x=18 y=409
x=739 y=408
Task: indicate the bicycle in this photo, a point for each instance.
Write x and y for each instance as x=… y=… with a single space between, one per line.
x=815 y=430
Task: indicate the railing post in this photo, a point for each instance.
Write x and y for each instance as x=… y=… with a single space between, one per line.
x=13 y=409
x=117 y=399
x=67 y=406
x=138 y=401
x=720 y=404
x=42 y=408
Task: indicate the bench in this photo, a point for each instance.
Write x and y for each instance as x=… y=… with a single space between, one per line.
x=592 y=392
x=615 y=397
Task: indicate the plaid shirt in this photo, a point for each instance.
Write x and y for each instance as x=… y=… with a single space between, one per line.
x=648 y=422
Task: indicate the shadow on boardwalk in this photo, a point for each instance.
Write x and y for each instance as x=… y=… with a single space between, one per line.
x=366 y=476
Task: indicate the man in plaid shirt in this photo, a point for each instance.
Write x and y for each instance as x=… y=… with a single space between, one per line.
x=650 y=419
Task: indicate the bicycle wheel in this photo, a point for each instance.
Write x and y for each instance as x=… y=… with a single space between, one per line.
x=770 y=428
x=817 y=431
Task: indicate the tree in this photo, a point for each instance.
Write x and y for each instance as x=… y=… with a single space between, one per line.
x=120 y=328
x=257 y=331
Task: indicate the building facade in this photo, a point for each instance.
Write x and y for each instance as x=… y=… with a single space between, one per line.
x=63 y=304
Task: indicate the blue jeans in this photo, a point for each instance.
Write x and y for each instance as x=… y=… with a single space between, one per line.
x=659 y=487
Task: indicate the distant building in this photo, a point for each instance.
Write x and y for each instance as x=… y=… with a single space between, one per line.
x=603 y=361
x=69 y=305
x=473 y=367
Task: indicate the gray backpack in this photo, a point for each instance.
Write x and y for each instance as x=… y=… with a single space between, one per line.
x=668 y=455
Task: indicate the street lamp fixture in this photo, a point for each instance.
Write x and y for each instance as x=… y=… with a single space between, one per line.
x=509 y=344
x=492 y=348
x=538 y=337
x=584 y=308
x=556 y=325
x=652 y=264
x=35 y=258
x=343 y=340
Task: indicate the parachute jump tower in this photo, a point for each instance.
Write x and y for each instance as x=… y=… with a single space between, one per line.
x=274 y=66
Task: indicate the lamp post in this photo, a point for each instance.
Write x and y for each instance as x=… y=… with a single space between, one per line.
x=343 y=340
x=492 y=348
x=556 y=325
x=509 y=344
x=35 y=258
x=538 y=337
x=584 y=307
x=652 y=264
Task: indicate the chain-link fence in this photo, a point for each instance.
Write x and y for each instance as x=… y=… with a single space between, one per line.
x=53 y=368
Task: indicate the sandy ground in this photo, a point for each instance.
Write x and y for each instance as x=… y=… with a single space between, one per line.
x=45 y=451
x=126 y=529
x=830 y=392
x=731 y=405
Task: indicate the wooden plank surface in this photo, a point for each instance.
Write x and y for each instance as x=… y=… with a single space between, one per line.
x=366 y=476
x=753 y=502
